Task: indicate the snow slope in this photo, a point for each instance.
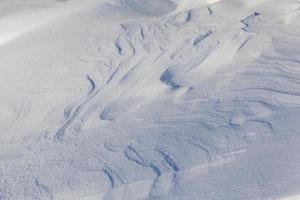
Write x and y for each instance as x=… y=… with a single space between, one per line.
x=139 y=99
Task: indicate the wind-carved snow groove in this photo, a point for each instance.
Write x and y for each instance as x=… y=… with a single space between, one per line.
x=244 y=43
x=166 y=78
x=67 y=112
x=210 y=12
x=201 y=38
x=21 y=112
x=113 y=176
x=118 y=46
x=59 y=135
x=245 y=21
x=197 y=61
x=113 y=74
x=92 y=82
x=108 y=112
x=169 y=160
x=134 y=156
x=130 y=38
x=189 y=49
x=188 y=16
x=43 y=189
x=264 y=123
x=164 y=180
x=110 y=178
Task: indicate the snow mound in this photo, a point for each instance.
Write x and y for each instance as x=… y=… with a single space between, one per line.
x=139 y=99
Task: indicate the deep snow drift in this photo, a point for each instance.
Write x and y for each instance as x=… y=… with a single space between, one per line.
x=149 y=99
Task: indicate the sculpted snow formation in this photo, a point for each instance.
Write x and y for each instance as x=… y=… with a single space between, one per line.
x=139 y=99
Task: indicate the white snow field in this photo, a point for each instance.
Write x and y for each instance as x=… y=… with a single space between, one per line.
x=149 y=99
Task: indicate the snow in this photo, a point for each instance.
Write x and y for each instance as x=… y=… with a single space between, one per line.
x=160 y=99
x=291 y=198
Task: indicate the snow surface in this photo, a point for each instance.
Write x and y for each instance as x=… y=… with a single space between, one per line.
x=149 y=99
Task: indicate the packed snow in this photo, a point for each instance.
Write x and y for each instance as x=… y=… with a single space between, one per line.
x=149 y=99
